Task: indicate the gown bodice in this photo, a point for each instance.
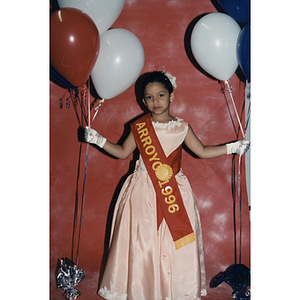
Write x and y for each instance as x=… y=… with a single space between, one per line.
x=171 y=135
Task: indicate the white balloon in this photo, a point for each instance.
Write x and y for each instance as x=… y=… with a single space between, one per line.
x=119 y=63
x=213 y=42
x=103 y=12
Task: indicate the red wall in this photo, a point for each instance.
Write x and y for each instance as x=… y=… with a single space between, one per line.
x=163 y=28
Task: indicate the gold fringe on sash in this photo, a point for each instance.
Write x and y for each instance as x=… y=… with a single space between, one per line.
x=185 y=240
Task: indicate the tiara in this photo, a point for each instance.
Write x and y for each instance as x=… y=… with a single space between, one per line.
x=171 y=78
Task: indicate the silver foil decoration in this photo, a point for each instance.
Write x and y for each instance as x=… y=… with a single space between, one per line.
x=68 y=277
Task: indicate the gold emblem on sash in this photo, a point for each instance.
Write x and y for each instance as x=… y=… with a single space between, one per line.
x=163 y=172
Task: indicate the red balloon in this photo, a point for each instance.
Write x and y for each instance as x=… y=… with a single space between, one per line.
x=74 y=44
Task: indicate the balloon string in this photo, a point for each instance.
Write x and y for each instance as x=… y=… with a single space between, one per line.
x=97 y=108
x=75 y=106
x=89 y=103
x=85 y=168
x=229 y=89
x=81 y=107
x=249 y=107
x=240 y=199
x=82 y=202
x=84 y=178
x=248 y=117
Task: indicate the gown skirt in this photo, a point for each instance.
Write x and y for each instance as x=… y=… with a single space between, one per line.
x=142 y=263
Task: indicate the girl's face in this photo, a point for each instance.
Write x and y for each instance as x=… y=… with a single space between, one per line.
x=157 y=98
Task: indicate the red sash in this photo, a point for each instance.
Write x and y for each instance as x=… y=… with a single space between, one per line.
x=162 y=171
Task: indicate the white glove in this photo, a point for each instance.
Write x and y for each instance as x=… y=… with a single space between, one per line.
x=239 y=147
x=93 y=137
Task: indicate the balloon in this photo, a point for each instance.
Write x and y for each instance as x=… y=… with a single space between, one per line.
x=213 y=43
x=74 y=44
x=59 y=79
x=103 y=12
x=119 y=64
x=237 y=9
x=243 y=50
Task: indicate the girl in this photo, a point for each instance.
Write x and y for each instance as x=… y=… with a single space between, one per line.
x=156 y=246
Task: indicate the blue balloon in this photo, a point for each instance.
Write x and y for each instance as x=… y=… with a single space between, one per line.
x=59 y=79
x=237 y=9
x=243 y=50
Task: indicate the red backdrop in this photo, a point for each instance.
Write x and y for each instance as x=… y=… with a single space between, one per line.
x=163 y=28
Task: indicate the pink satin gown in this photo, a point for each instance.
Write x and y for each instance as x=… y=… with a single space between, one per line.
x=143 y=263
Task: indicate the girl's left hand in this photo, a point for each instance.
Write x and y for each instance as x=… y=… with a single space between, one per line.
x=239 y=147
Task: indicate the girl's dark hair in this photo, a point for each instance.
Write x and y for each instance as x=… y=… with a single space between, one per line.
x=157 y=76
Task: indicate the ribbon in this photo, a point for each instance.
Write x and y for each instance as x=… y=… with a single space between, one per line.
x=97 y=108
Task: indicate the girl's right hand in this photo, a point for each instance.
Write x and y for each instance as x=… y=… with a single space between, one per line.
x=93 y=137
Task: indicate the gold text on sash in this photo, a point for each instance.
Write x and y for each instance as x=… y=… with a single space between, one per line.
x=163 y=172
